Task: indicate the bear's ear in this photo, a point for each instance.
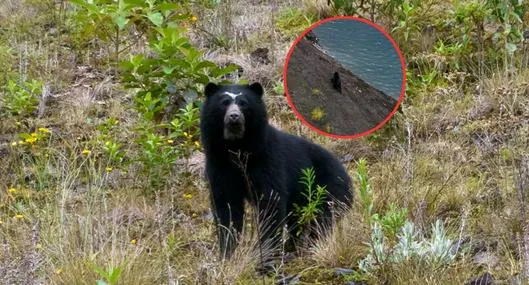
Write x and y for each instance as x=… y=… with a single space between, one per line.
x=210 y=89
x=257 y=88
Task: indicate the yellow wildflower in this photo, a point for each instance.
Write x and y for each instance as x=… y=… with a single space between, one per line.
x=86 y=152
x=44 y=130
x=194 y=19
x=21 y=142
x=108 y=169
x=170 y=141
x=133 y=241
x=1 y=222
x=197 y=143
x=31 y=140
x=38 y=246
x=194 y=215
x=186 y=134
x=19 y=216
x=11 y=190
x=58 y=271
x=188 y=196
x=33 y=135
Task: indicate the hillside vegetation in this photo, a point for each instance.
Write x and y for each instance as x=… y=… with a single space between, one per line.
x=101 y=174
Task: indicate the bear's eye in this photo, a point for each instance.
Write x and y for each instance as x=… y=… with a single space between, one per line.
x=243 y=103
x=225 y=102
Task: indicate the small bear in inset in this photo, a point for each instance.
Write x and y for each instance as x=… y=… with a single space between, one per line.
x=336 y=82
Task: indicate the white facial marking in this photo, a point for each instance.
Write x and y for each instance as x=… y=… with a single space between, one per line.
x=233 y=95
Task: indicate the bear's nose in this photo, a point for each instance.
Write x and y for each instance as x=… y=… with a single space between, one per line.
x=234 y=116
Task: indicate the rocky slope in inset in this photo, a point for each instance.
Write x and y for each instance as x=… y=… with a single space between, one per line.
x=358 y=108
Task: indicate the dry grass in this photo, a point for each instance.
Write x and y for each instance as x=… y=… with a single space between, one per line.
x=458 y=155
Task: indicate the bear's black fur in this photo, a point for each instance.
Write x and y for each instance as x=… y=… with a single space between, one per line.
x=249 y=160
x=337 y=82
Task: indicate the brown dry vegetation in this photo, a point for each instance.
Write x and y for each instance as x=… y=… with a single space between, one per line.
x=457 y=151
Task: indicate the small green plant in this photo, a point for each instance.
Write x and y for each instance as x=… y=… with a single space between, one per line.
x=407 y=18
x=110 y=276
x=184 y=130
x=366 y=196
x=108 y=140
x=392 y=221
x=429 y=77
x=22 y=99
x=279 y=89
x=317 y=113
x=453 y=52
x=315 y=195
x=157 y=154
x=316 y=91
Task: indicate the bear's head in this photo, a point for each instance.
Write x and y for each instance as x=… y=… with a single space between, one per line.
x=234 y=112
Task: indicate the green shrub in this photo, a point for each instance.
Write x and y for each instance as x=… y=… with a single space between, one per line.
x=175 y=69
x=110 y=21
x=22 y=99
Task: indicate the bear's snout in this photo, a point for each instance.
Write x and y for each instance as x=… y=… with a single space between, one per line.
x=233 y=123
x=234 y=117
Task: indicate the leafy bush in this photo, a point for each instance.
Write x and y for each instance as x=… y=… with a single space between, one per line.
x=158 y=152
x=509 y=14
x=176 y=72
x=22 y=99
x=109 y=21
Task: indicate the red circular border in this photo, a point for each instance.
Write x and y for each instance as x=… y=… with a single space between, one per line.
x=402 y=90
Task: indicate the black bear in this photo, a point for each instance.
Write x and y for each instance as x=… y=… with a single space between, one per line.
x=249 y=160
x=337 y=82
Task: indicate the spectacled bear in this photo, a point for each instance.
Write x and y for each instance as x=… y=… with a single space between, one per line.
x=336 y=82
x=249 y=160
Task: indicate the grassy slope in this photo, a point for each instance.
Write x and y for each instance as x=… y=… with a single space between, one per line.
x=455 y=157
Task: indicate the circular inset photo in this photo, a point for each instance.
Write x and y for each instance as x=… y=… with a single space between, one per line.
x=344 y=77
